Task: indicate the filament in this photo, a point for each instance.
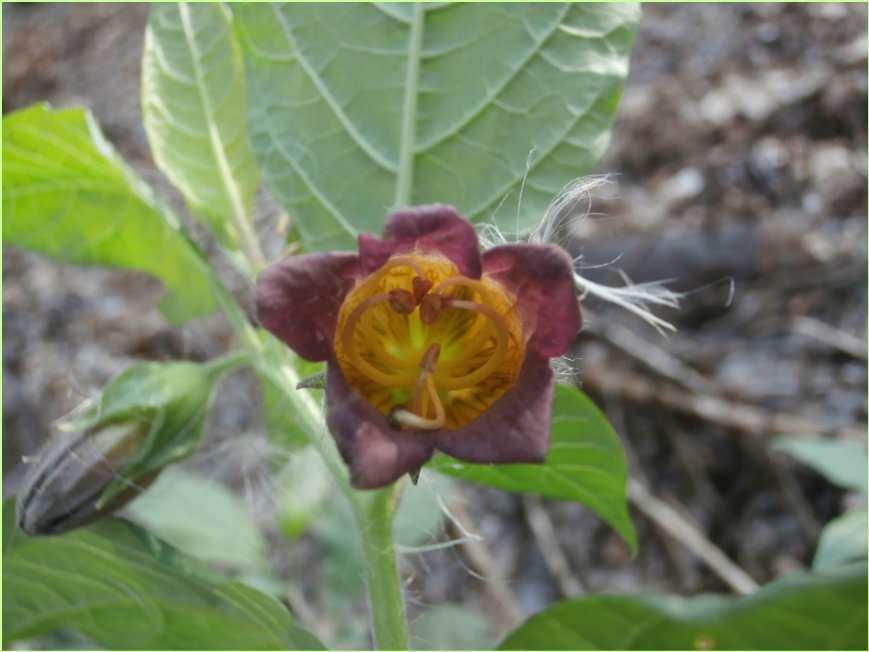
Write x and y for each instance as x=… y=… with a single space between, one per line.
x=387 y=380
x=481 y=373
x=479 y=286
x=392 y=263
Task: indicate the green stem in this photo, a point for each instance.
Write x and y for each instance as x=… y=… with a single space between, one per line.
x=228 y=361
x=375 y=511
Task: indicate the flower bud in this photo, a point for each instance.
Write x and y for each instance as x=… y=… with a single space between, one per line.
x=64 y=487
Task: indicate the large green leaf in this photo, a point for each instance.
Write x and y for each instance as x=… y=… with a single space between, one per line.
x=124 y=589
x=586 y=463
x=357 y=108
x=195 y=109
x=798 y=612
x=191 y=513
x=67 y=194
x=842 y=462
x=843 y=540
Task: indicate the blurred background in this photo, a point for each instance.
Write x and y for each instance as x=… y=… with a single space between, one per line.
x=737 y=169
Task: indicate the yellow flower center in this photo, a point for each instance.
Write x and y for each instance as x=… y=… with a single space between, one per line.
x=427 y=346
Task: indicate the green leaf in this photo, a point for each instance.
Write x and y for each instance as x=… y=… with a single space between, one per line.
x=67 y=194
x=842 y=462
x=363 y=107
x=586 y=464
x=124 y=589
x=191 y=513
x=451 y=627
x=419 y=516
x=843 y=540
x=302 y=488
x=12 y=536
x=194 y=104
x=281 y=424
x=798 y=612
x=174 y=395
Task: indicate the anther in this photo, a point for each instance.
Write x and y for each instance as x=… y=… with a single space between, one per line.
x=421 y=286
x=430 y=308
x=402 y=301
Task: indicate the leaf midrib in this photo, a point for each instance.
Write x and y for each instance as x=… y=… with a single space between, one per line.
x=217 y=145
x=407 y=143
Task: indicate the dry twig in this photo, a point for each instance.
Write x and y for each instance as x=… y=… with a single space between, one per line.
x=506 y=612
x=740 y=417
x=674 y=524
x=547 y=541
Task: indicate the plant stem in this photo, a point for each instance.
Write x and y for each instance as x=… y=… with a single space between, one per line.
x=374 y=512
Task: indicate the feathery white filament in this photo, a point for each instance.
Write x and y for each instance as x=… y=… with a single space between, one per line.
x=574 y=203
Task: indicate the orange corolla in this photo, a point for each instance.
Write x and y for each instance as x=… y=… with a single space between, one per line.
x=430 y=345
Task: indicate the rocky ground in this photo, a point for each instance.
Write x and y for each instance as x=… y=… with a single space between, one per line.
x=738 y=168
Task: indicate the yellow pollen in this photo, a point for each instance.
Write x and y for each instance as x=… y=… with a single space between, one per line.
x=427 y=346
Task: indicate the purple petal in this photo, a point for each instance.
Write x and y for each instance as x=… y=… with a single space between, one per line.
x=436 y=228
x=541 y=277
x=298 y=299
x=515 y=428
x=376 y=454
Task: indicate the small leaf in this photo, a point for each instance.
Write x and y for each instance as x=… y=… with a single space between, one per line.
x=149 y=416
x=843 y=540
x=842 y=462
x=177 y=393
x=362 y=107
x=191 y=513
x=12 y=536
x=419 y=516
x=67 y=194
x=586 y=464
x=281 y=424
x=194 y=104
x=124 y=589
x=302 y=487
x=804 y=612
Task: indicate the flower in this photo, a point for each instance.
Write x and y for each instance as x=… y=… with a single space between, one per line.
x=430 y=345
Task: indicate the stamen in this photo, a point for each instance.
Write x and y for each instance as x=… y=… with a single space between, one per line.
x=482 y=372
x=402 y=301
x=364 y=367
x=479 y=286
x=430 y=308
x=392 y=263
x=421 y=286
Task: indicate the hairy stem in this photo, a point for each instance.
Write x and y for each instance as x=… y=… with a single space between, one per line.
x=374 y=512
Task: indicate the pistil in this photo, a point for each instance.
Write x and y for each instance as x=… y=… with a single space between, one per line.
x=426 y=392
